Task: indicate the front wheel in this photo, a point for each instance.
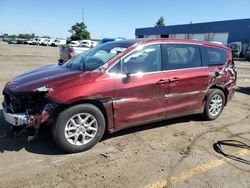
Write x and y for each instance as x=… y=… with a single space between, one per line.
x=79 y=128
x=215 y=103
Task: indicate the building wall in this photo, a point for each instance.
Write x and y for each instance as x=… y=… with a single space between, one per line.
x=238 y=30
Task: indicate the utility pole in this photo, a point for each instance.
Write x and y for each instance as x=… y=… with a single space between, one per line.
x=83 y=15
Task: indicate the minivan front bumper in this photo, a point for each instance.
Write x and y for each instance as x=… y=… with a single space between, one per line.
x=28 y=120
x=16 y=119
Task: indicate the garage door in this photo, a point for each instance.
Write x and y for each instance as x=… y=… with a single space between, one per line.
x=221 y=37
x=200 y=36
x=180 y=36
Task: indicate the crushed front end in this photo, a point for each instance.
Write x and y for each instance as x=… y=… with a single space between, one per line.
x=28 y=110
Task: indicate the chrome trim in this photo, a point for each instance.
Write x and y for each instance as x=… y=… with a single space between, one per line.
x=165 y=71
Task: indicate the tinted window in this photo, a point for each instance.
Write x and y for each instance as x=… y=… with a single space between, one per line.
x=215 y=56
x=180 y=56
x=147 y=59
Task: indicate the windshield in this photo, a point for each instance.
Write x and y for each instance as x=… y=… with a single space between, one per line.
x=96 y=57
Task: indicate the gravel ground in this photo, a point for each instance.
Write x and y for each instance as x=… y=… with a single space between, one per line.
x=173 y=153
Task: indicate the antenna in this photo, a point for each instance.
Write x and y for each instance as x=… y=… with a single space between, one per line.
x=82 y=15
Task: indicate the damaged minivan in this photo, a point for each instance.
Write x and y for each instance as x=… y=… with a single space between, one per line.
x=121 y=84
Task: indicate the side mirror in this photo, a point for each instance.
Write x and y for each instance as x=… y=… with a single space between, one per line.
x=60 y=62
x=127 y=78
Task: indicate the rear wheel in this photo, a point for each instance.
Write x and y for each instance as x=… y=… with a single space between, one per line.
x=79 y=128
x=214 y=104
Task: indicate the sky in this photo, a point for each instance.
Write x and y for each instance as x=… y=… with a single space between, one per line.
x=111 y=18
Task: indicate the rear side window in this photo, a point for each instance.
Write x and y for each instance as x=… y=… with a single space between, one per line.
x=181 y=56
x=215 y=56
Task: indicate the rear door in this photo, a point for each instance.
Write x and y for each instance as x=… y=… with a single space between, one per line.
x=140 y=97
x=188 y=79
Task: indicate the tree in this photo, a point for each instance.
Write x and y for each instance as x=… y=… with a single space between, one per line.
x=46 y=36
x=26 y=36
x=160 y=22
x=79 y=31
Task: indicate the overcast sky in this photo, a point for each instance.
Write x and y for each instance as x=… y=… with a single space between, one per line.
x=111 y=18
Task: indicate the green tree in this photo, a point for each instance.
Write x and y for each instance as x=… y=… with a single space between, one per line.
x=26 y=36
x=160 y=22
x=12 y=36
x=46 y=36
x=79 y=31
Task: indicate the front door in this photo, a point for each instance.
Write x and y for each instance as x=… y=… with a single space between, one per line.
x=140 y=97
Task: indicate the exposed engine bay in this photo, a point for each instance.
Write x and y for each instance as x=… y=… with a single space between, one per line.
x=27 y=110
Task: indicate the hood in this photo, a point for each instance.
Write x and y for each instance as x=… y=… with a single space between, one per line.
x=49 y=76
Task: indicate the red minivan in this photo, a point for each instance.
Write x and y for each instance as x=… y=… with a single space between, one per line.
x=121 y=84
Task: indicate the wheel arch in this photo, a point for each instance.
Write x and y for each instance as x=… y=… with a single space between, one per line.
x=224 y=90
x=104 y=105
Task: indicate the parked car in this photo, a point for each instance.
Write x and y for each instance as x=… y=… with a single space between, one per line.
x=94 y=43
x=50 y=41
x=68 y=52
x=236 y=48
x=74 y=43
x=86 y=43
x=30 y=41
x=42 y=41
x=21 y=41
x=121 y=84
x=240 y=49
x=58 y=42
x=74 y=48
x=12 y=41
x=35 y=41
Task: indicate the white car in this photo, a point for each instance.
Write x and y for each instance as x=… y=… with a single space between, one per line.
x=74 y=43
x=86 y=43
x=44 y=42
x=35 y=41
x=58 y=42
x=94 y=43
x=50 y=41
x=29 y=41
x=41 y=41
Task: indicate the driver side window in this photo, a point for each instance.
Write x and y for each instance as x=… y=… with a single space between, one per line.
x=147 y=59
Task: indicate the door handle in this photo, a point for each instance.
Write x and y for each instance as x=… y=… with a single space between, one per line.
x=174 y=79
x=162 y=81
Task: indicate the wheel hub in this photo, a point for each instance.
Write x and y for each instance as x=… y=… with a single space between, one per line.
x=81 y=129
x=215 y=105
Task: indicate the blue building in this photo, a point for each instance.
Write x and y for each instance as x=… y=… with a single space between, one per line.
x=220 y=31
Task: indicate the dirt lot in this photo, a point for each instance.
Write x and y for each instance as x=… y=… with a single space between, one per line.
x=173 y=153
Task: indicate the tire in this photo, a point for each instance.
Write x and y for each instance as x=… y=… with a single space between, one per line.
x=69 y=119
x=211 y=113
